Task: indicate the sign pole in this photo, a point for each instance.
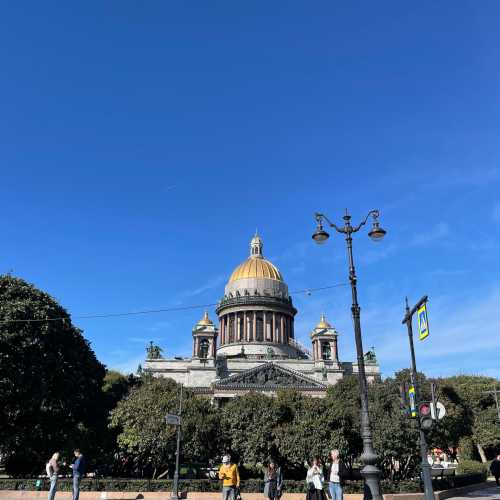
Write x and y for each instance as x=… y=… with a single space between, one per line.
x=175 y=486
x=426 y=467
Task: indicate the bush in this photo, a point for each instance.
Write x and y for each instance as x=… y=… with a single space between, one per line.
x=471 y=467
x=458 y=481
x=248 y=486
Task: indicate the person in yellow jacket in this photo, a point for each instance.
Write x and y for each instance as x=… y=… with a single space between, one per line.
x=230 y=476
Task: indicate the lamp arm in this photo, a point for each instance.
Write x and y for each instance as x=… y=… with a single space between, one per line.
x=320 y=217
x=373 y=213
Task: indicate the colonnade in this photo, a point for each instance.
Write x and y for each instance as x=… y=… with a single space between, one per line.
x=255 y=326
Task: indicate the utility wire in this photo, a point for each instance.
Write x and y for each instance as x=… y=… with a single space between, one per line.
x=306 y=291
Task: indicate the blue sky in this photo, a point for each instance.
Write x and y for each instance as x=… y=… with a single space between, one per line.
x=141 y=144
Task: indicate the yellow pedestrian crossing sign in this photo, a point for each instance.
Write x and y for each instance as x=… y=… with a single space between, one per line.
x=423 y=323
x=413 y=404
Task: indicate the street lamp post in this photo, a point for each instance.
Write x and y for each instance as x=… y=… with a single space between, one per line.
x=370 y=471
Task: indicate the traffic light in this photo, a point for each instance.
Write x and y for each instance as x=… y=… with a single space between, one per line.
x=425 y=415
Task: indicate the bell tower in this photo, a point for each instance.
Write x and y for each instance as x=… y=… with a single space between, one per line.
x=324 y=342
x=204 y=339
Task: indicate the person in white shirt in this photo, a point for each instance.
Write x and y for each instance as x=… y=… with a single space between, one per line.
x=315 y=481
x=336 y=474
x=52 y=468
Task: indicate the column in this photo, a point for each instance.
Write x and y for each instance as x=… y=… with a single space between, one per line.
x=274 y=336
x=292 y=328
x=245 y=329
x=264 y=326
x=254 y=329
x=282 y=329
x=238 y=327
x=222 y=330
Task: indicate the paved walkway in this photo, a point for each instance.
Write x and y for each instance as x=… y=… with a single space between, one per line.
x=491 y=493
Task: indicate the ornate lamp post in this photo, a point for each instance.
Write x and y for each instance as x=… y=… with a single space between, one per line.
x=370 y=472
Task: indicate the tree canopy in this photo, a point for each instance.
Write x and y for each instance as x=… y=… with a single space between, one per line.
x=143 y=433
x=50 y=379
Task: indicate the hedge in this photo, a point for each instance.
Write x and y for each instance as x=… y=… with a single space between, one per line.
x=459 y=480
x=472 y=467
x=249 y=485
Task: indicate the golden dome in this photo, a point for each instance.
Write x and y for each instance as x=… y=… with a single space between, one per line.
x=256 y=266
x=205 y=320
x=323 y=323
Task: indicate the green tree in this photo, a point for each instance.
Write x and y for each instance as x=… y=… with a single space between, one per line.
x=395 y=436
x=142 y=432
x=479 y=411
x=307 y=432
x=115 y=387
x=343 y=404
x=249 y=423
x=50 y=379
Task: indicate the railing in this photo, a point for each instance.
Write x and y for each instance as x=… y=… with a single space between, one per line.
x=300 y=347
x=251 y=300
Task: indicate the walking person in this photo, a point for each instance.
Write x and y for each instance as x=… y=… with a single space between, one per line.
x=230 y=477
x=52 y=469
x=337 y=473
x=315 y=481
x=273 y=481
x=78 y=472
x=495 y=469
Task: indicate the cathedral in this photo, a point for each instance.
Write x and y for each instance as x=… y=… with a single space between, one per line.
x=254 y=347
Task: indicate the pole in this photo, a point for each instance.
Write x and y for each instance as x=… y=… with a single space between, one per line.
x=175 y=486
x=370 y=472
x=426 y=467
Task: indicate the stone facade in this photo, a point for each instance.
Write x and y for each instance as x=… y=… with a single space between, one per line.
x=254 y=347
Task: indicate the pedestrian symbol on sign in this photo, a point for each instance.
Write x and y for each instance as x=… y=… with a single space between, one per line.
x=423 y=323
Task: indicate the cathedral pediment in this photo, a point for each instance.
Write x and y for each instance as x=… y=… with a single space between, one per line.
x=269 y=376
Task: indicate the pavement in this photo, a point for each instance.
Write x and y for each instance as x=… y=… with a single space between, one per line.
x=490 y=493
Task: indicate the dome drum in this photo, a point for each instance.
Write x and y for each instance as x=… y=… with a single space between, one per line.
x=259 y=350
x=251 y=302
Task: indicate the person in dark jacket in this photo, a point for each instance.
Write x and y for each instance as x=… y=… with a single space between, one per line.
x=495 y=469
x=78 y=471
x=336 y=475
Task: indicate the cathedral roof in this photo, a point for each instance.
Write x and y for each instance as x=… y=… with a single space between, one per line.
x=256 y=266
